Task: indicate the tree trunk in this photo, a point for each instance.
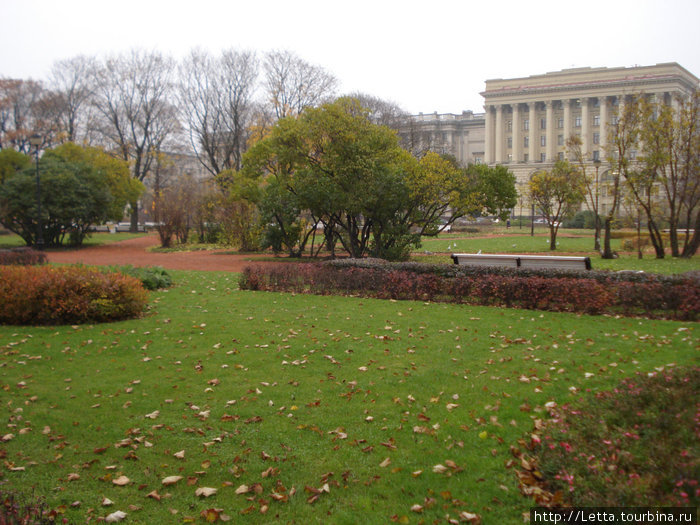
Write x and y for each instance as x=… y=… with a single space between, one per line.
x=692 y=246
x=607 y=250
x=134 y=228
x=552 y=238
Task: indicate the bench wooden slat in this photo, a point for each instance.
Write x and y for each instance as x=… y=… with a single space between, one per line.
x=522 y=261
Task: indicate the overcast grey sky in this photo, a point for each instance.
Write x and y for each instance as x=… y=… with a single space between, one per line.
x=428 y=55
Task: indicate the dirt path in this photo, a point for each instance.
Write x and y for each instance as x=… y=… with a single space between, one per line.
x=135 y=252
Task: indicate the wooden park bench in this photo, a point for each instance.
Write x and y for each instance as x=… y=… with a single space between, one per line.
x=523 y=261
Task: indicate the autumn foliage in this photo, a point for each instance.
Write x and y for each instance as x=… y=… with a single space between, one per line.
x=635 y=445
x=45 y=295
x=22 y=256
x=586 y=292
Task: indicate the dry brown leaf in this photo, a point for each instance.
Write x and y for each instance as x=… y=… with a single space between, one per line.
x=243 y=489
x=171 y=480
x=205 y=492
x=180 y=455
x=115 y=517
x=121 y=481
x=385 y=463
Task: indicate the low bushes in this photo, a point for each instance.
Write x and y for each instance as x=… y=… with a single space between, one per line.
x=636 y=445
x=554 y=290
x=33 y=295
x=22 y=256
x=152 y=277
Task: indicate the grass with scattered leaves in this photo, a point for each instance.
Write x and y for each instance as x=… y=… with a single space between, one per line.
x=300 y=409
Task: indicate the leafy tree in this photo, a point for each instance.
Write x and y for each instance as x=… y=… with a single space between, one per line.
x=495 y=189
x=123 y=188
x=74 y=197
x=333 y=165
x=558 y=193
x=11 y=162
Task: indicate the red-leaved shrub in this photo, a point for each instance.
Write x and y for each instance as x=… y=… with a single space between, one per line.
x=40 y=295
x=592 y=293
x=23 y=256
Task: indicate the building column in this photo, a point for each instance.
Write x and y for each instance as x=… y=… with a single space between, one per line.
x=603 y=103
x=585 y=129
x=567 y=120
x=532 y=133
x=549 y=132
x=488 y=139
x=499 y=134
x=517 y=145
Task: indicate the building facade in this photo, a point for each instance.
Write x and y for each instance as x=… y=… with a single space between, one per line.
x=459 y=135
x=527 y=121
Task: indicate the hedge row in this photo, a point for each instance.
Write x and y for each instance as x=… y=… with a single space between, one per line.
x=22 y=256
x=46 y=295
x=658 y=296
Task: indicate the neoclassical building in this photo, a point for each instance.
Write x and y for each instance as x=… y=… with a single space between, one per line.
x=528 y=120
x=459 y=135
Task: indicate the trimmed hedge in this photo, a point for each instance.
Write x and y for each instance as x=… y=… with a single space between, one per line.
x=23 y=256
x=46 y=295
x=676 y=297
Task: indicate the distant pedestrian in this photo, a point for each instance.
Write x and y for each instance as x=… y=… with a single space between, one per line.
x=507 y=223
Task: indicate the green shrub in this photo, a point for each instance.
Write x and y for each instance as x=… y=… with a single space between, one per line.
x=46 y=295
x=152 y=277
x=636 y=445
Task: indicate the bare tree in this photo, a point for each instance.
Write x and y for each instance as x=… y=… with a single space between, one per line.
x=216 y=101
x=292 y=83
x=132 y=97
x=21 y=114
x=574 y=145
x=382 y=112
x=72 y=81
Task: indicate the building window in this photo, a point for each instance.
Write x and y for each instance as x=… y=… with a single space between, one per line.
x=543 y=140
x=577 y=121
x=526 y=158
x=633 y=154
x=560 y=140
x=510 y=158
x=596 y=138
x=526 y=142
x=561 y=155
x=509 y=125
x=543 y=123
x=596 y=155
x=560 y=123
x=526 y=124
x=614 y=120
x=596 y=120
x=543 y=157
x=509 y=141
x=477 y=160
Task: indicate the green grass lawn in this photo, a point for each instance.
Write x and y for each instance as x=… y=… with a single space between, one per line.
x=511 y=242
x=95 y=239
x=365 y=407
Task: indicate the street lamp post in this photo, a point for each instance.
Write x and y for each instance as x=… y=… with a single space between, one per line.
x=597 y=220
x=36 y=141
